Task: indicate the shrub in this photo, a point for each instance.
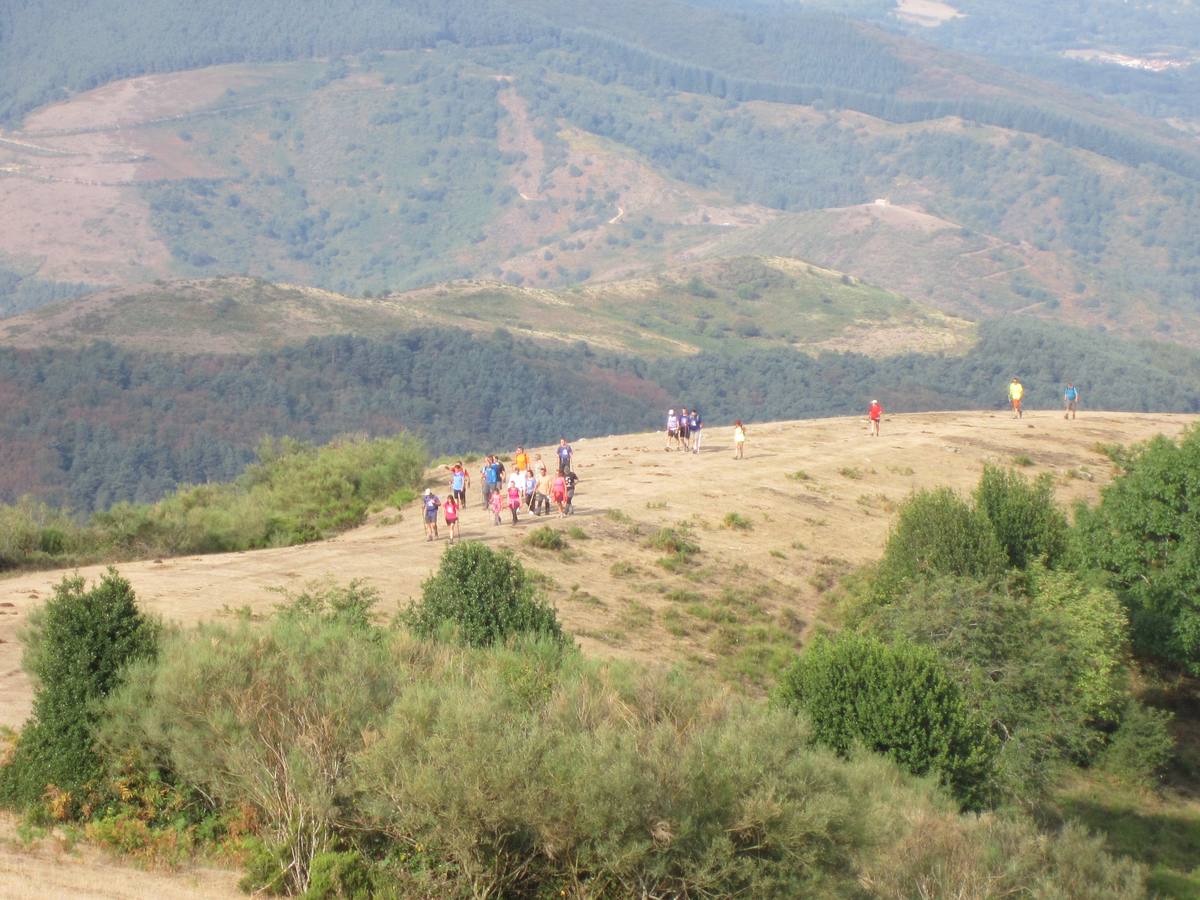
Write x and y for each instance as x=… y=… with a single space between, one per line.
x=1145 y=533
x=75 y=650
x=737 y=522
x=282 y=708
x=293 y=494
x=1141 y=747
x=675 y=541
x=483 y=596
x=894 y=699
x=546 y=538
x=938 y=533
x=1023 y=514
x=1043 y=661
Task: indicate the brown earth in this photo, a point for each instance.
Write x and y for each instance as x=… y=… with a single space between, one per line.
x=55 y=867
x=805 y=533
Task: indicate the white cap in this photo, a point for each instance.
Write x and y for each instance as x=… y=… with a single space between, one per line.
x=428 y=492
x=670 y=410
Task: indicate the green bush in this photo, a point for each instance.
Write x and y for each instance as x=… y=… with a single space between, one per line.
x=737 y=522
x=546 y=538
x=265 y=715
x=938 y=533
x=1042 y=660
x=896 y=699
x=675 y=541
x=1142 y=746
x=1024 y=516
x=483 y=596
x=380 y=762
x=340 y=875
x=1145 y=533
x=76 y=649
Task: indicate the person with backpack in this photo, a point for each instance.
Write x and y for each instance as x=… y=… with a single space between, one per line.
x=450 y=511
x=520 y=460
x=696 y=426
x=565 y=453
x=1016 y=391
x=685 y=431
x=489 y=474
x=739 y=439
x=430 y=504
x=874 y=414
x=572 y=479
x=1070 y=400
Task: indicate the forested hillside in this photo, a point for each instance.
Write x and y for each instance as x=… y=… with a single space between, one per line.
x=87 y=428
x=550 y=144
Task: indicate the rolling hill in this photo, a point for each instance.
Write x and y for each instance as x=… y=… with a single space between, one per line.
x=526 y=149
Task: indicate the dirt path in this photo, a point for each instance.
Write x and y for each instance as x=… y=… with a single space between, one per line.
x=52 y=868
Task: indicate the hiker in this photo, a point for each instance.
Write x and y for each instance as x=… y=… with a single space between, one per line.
x=520 y=460
x=518 y=478
x=874 y=414
x=558 y=491
x=685 y=433
x=696 y=426
x=460 y=480
x=450 y=511
x=1070 y=400
x=541 y=497
x=564 y=456
x=531 y=485
x=739 y=439
x=672 y=429
x=497 y=504
x=1016 y=391
x=490 y=486
x=514 y=499
x=572 y=478
x=430 y=503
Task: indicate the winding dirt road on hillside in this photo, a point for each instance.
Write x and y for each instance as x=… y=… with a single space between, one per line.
x=805 y=533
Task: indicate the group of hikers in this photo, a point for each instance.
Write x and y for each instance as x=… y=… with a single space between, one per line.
x=1016 y=393
x=685 y=432
x=530 y=486
x=533 y=488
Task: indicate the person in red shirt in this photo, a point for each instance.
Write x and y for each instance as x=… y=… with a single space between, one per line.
x=874 y=414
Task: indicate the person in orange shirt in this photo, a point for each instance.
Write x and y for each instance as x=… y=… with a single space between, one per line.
x=521 y=460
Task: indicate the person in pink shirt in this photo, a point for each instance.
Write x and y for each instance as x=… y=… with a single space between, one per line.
x=450 y=511
x=514 y=500
x=496 y=501
x=874 y=414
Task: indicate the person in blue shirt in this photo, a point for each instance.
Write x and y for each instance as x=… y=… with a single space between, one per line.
x=564 y=456
x=491 y=479
x=696 y=426
x=1070 y=401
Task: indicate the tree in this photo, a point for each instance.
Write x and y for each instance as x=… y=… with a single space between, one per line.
x=483 y=596
x=76 y=649
x=1145 y=533
x=897 y=699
